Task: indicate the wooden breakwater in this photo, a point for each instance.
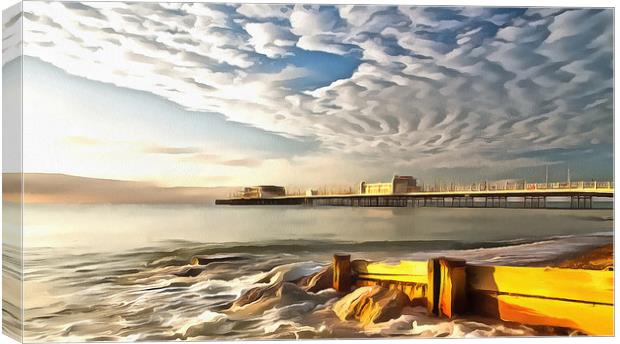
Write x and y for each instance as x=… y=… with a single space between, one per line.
x=571 y=298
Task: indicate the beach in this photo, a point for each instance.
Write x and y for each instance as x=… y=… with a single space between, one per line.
x=598 y=258
x=88 y=280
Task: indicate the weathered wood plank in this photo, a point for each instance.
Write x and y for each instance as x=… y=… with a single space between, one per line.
x=405 y=271
x=404 y=267
x=593 y=319
x=452 y=298
x=394 y=277
x=569 y=284
x=342 y=272
x=571 y=298
x=433 y=287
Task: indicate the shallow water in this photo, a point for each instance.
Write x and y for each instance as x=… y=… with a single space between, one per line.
x=122 y=273
x=121 y=228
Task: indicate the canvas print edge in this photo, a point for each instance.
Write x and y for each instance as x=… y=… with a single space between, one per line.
x=12 y=253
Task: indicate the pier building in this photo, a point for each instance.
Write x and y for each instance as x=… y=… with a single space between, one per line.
x=398 y=185
x=263 y=191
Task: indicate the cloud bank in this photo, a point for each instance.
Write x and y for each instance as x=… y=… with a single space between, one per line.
x=440 y=87
x=60 y=188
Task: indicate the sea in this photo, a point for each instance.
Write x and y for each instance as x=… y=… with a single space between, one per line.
x=122 y=273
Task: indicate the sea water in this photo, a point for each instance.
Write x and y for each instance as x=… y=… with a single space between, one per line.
x=120 y=272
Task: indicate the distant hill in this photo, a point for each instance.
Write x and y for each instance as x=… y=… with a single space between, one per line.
x=62 y=188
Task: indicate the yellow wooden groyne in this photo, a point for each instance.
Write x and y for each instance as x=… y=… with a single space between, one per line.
x=541 y=296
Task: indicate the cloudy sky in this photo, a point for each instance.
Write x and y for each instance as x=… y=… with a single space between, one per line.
x=206 y=95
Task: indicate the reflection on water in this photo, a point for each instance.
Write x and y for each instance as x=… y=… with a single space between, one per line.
x=125 y=227
x=122 y=273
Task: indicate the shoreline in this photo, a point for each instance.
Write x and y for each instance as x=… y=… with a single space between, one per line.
x=597 y=258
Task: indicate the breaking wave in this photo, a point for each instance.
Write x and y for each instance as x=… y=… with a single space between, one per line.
x=244 y=291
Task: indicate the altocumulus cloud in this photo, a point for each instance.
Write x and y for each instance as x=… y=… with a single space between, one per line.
x=451 y=87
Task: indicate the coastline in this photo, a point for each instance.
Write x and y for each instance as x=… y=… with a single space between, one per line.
x=270 y=286
x=598 y=258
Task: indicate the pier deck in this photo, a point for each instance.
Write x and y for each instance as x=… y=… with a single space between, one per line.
x=580 y=198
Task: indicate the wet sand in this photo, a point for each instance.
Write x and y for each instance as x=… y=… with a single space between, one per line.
x=599 y=258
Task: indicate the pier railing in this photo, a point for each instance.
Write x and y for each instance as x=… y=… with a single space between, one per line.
x=525 y=195
x=571 y=298
x=522 y=186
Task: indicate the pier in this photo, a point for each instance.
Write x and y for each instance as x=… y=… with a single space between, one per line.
x=531 y=195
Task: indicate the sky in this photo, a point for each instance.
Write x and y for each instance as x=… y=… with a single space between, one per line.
x=227 y=95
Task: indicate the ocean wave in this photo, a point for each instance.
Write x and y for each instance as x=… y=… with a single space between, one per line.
x=159 y=295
